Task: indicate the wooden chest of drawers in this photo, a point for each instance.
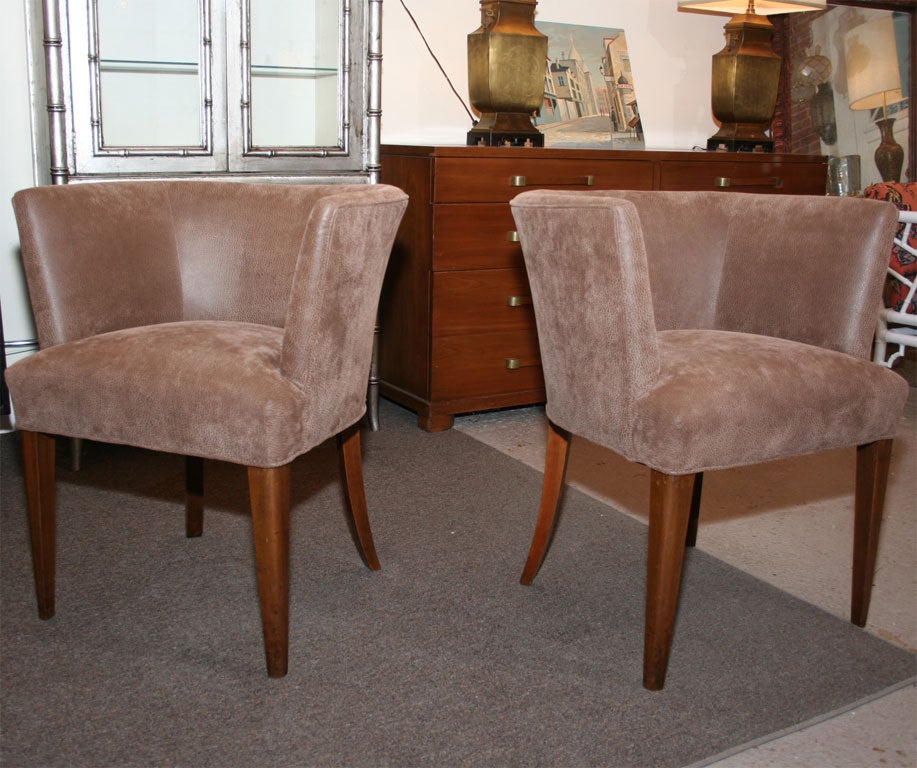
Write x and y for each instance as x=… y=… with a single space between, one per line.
x=457 y=326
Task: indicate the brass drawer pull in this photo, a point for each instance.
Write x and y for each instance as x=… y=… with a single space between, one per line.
x=515 y=363
x=518 y=301
x=725 y=181
x=576 y=181
x=512 y=236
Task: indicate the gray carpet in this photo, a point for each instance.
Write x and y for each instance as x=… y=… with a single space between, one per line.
x=440 y=659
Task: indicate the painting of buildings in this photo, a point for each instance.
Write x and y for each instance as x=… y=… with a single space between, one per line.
x=589 y=95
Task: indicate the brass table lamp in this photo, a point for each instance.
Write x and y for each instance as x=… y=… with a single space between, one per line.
x=507 y=57
x=746 y=72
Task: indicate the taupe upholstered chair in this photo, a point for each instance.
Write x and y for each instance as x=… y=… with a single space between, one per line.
x=697 y=331
x=215 y=320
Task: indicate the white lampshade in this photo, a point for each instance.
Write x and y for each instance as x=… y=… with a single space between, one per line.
x=873 y=78
x=762 y=7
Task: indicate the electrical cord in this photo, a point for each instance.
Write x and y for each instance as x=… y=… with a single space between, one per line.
x=441 y=69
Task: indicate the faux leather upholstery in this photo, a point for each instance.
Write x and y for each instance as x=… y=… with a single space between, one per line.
x=691 y=331
x=224 y=320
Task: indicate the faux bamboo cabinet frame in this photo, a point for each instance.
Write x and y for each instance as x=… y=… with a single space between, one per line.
x=457 y=325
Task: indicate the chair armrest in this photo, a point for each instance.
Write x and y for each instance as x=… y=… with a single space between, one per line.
x=328 y=336
x=588 y=272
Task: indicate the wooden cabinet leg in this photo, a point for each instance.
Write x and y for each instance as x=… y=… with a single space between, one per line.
x=872 y=465
x=38 y=468
x=439 y=422
x=670 y=509
x=270 y=501
x=557 y=453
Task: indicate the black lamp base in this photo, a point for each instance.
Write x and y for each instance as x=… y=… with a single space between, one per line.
x=505 y=129
x=739 y=145
x=498 y=139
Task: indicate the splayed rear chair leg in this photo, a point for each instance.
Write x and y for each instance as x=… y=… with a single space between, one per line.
x=194 y=496
x=557 y=453
x=694 y=519
x=352 y=475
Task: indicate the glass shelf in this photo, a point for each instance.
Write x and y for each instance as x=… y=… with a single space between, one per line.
x=149 y=67
x=191 y=68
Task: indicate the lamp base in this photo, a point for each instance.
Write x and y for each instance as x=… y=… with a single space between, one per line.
x=715 y=144
x=889 y=155
x=505 y=129
x=746 y=74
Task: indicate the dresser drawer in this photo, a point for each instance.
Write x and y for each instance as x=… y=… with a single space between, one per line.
x=480 y=180
x=480 y=300
x=758 y=177
x=484 y=337
x=475 y=236
x=486 y=363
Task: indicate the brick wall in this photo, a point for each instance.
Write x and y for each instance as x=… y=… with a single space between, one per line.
x=792 y=127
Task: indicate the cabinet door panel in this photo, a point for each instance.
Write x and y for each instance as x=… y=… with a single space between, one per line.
x=150 y=74
x=295 y=84
x=146 y=87
x=294 y=66
x=273 y=87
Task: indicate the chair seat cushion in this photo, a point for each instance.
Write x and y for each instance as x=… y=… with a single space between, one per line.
x=727 y=399
x=204 y=388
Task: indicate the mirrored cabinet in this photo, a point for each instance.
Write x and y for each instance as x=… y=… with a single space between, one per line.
x=172 y=87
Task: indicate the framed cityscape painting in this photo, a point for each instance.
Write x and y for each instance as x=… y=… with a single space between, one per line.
x=590 y=101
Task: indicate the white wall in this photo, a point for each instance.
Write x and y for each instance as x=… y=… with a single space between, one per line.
x=670 y=54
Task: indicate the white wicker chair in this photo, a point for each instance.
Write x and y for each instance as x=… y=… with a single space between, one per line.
x=898 y=327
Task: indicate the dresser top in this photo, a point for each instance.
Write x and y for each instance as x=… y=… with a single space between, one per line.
x=462 y=151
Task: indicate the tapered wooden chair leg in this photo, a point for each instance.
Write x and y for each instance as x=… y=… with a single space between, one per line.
x=670 y=510
x=38 y=468
x=555 y=467
x=194 y=496
x=270 y=500
x=352 y=475
x=872 y=466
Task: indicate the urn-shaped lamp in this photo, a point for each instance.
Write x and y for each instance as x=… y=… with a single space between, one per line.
x=746 y=73
x=507 y=57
